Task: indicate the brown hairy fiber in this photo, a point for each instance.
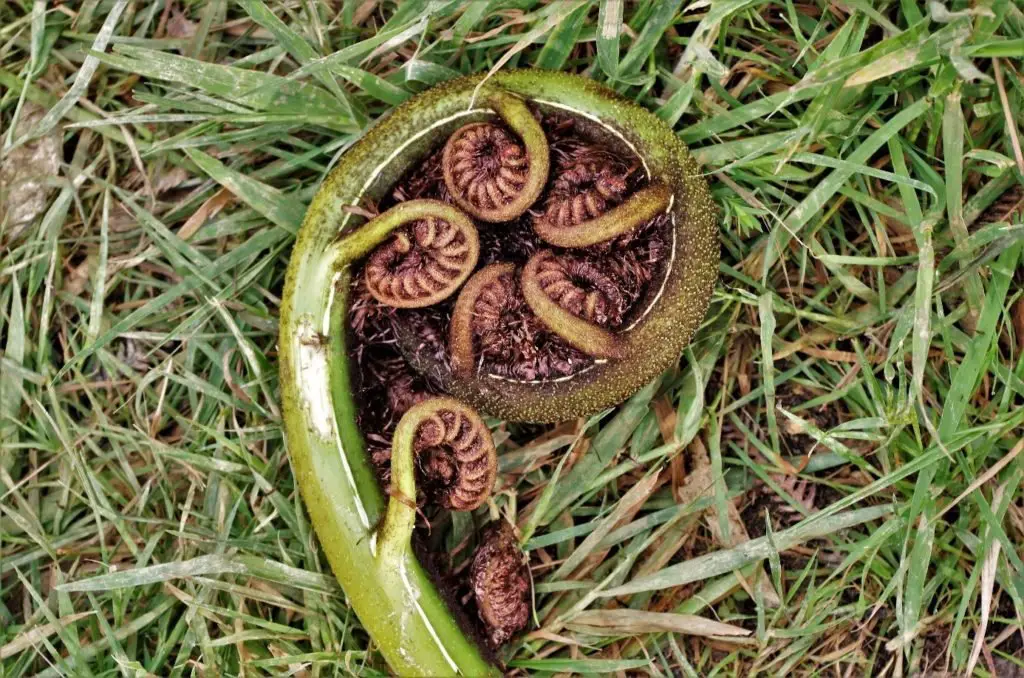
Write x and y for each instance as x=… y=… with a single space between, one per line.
x=500 y=580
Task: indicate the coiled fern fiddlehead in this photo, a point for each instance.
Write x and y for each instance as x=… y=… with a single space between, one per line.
x=595 y=239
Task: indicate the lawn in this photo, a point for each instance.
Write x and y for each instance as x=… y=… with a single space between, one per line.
x=827 y=484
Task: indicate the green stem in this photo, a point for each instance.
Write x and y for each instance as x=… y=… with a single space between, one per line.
x=364 y=239
x=396 y=531
x=582 y=334
x=637 y=210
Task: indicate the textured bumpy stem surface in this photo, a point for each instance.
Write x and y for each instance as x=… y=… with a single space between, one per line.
x=567 y=309
x=397 y=603
x=456 y=446
x=570 y=224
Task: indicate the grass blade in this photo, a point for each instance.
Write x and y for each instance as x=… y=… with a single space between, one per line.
x=84 y=75
x=258 y=91
x=609 y=21
x=747 y=553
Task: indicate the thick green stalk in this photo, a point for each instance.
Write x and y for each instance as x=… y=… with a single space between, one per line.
x=637 y=210
x=588 y=337
x=395 y=599
x=400 y=519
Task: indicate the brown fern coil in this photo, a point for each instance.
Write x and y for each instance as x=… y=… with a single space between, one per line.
x=585 y=190
x=456 y=458
x=485 y=168
x=493 y=304
x=580 y=287
x=421 y=264
x=500 y=580
x=492 y=328
x=480 y=313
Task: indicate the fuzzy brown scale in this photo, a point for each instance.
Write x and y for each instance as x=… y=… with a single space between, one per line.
x=424 y=180
x=385 y=386
x=511 y=341
x=404 y=391
x=633 y=261
x=500 y=581
x=515 y=244
x=391 y=382
x=494 y=306
x=456 y=459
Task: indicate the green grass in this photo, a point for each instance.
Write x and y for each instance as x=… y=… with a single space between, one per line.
x=859 y=380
